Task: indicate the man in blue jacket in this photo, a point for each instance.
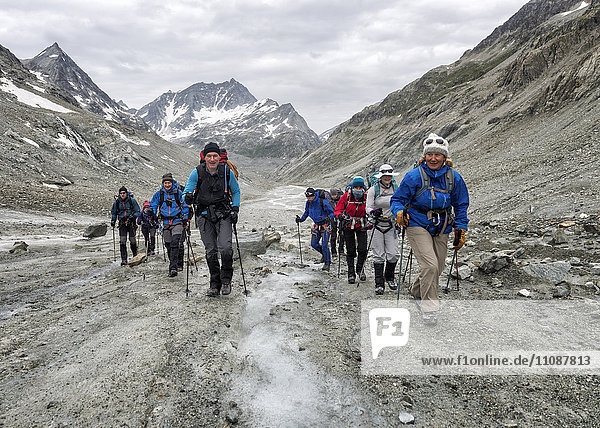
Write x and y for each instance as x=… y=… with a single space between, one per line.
x=320 y=211
x=430 y=201
x=125 y=209
x=215 y=192
x=172 y=211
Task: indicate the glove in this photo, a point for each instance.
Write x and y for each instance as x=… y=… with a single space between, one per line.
x=233 y=215
x=402 y=219
x=298 y=219
x=460 y=236
x=189 y=198
x=376 y=213
x=112 y=223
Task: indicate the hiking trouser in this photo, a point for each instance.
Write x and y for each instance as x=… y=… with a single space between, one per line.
x=171 y=237
x=182 y=242
x=124 y=229
x=430 y=252
x=336 y=237
x=149 y=238
x=320 y=241
x=352 y=237
x=217 y=240
x=385 y=245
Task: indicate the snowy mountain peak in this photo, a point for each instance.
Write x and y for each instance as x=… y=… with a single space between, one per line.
x=55 y=66
x=228 y=113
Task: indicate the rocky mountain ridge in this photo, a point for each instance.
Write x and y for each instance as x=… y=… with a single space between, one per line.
x=517 y=110
x=55 y=66
x=229 y=114
x=59 y=157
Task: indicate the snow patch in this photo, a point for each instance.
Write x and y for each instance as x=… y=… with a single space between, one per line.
x=30 y=98
x=52 y=186
x=37 y=88
x=129 y=140
x=149 y=166
x=53 y=56
x=28 y=141
x=583 y=5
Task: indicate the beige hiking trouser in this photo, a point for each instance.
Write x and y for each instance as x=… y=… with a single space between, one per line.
x=430 y=252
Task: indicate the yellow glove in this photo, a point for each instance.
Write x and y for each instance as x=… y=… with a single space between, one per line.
x=460 y=236
x=402 y=219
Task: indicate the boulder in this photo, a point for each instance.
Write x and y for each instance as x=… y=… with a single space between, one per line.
x=137 y=260
x=595 y=268
x=554 y=272
x=251 y=244
x=559 y=237
x=95 y=230
x=272 y=237
x=495 y=262
x=464 y=272
x=18 y=247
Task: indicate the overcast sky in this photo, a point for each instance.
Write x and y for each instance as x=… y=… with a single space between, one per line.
x=328 y=58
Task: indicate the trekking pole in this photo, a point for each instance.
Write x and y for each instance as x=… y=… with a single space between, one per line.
x=299 y=243
x=162 y=240
x=191 y=248
x=137 y=241
x=187 y=270
x=240 y=257
x=368 y=248
x=114 y=246
x=456 y=256
x=447 y=287
x=408 y=267
x=400 y=271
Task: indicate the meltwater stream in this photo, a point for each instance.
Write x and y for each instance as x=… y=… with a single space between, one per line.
x=279 y=385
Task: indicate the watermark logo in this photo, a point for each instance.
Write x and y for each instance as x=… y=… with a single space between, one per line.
x=389 y=328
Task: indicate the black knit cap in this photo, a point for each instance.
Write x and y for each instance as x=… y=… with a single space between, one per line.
x=310 y=192
x=167 y=177
x=211 y=148
x=123 y=189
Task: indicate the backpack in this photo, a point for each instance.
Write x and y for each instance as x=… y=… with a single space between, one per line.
x=224 y=158
x=426 y=183
x=376 y=184
x=325 y=195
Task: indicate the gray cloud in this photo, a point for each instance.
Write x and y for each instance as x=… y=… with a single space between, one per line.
x=328 y=58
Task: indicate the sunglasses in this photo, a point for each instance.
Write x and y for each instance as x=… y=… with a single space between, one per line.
x=386 y=171
x=437 y=140
x=123 y=193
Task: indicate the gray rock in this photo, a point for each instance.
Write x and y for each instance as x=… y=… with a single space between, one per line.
x=592 y=228
x=494 y=263
x=561 y=292
x=554 y=272
x=595 y=268
x=406 y=418
x=524 y=292
x=18 y=247
x=251 y=244
x=518 y=252
x=95 y=230
x=272 y=237
x=559 y=237
x=464 y=272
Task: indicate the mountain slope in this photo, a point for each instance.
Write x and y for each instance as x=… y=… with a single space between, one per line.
x=55 y=66
x=515 y=109
x=230 y=115
x=57 y=156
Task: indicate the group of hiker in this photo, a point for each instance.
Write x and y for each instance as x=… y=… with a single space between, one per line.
x=211 y=192
x=430 y=201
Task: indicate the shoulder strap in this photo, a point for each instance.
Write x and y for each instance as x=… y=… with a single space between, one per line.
x=424 y=182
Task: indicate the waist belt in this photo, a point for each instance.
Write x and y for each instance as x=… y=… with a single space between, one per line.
x=435 y=215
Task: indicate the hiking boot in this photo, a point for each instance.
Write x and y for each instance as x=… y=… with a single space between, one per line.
x=430 y=318
x=225 y=288
x=362 y=275
x=322 y=260
x=392 y=285
x=123 y=262
x=379 y=290
x=418 y=303
x=212 y=292
x=325 y=267
x=172 y=273
x=179 y=268
x=351 y=279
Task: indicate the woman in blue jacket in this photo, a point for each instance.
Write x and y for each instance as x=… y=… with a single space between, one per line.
x=431 y=200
